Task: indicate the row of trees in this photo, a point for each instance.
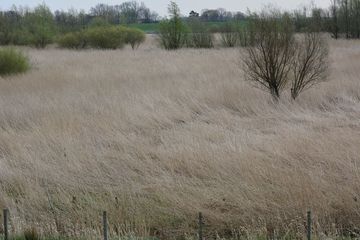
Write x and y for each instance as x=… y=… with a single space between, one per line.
x=345 y=18
x=19 y=19
x=127 y=12
x=22 y=26
x=217 y=15
x=39 y=26
x=341 y=19
x=176 y=31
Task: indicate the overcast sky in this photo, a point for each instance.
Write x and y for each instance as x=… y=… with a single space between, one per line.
x=160 y=6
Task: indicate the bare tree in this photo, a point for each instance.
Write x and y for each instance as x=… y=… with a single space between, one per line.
x=278 y=57
x=310 y=64
x=345 y=6
x=268 y=62
x=334 y=14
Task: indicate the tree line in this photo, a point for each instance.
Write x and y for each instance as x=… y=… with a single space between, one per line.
x=341 y=19
x=22 y=26
x=345 y=18
x=217 y=15
x=39 y=26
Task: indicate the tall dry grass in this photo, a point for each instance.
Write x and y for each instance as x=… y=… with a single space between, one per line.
x=154 y=137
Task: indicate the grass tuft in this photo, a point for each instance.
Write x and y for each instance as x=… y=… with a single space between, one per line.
x=12 y=61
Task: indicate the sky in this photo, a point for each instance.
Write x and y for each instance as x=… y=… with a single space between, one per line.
x=160 y=6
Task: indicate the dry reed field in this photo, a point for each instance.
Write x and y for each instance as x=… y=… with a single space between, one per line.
x=154 y=137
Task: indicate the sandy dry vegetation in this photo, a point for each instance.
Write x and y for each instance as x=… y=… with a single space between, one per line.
x=154 y=137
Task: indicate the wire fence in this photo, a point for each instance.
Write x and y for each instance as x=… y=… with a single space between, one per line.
x=105 y=226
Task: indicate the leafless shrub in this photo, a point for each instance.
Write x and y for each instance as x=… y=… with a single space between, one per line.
x=278 y=57
x=268 y=61
x=310 y=64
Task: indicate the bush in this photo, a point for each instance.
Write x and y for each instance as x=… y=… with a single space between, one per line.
x=74 y=40
x=200 y=36
x=106 y=38
x=268 y=62
x=12 y=61
x=102 y=37
x=135 y=37
x=173 y=32
x=277 y=57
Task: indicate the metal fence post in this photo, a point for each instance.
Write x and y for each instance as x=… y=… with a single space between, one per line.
x=6 y=224
x=105 y=225
x=201 y=222
x=309 y=225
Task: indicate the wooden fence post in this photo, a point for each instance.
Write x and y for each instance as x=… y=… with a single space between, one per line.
x=309 y=225
x=6 y=224
x=201 y=222
x=105 y=225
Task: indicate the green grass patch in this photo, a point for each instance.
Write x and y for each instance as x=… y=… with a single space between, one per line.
x=12 y=61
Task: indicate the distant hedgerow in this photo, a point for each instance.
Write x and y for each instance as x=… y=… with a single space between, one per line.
x=102 y=38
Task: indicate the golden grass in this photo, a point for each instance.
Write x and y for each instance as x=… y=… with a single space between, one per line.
x=154 y=137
